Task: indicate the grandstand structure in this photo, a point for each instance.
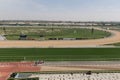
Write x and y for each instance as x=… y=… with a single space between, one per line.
x=72 y=76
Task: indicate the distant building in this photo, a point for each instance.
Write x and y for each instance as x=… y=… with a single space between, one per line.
x=23 y=37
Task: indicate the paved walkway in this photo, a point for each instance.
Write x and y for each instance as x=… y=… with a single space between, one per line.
x=81 y=65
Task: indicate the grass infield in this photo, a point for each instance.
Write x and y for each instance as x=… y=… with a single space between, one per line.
x=34 y=33
x=60 y=54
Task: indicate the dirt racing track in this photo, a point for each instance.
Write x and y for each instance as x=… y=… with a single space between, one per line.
x=114 y=38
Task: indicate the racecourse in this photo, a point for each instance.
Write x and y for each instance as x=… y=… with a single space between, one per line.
x=96 y=58
x=63 y=43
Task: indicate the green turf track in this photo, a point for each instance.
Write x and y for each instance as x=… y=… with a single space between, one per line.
x=60 y=54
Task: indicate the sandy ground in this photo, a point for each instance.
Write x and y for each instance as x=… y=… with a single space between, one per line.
x=77 y=43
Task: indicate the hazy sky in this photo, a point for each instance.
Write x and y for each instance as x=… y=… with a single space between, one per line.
x=76 y=10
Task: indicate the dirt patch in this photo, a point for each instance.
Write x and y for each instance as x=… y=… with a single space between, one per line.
x=7 y=68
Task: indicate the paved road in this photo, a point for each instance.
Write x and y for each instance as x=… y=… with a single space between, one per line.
x=81 y=63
